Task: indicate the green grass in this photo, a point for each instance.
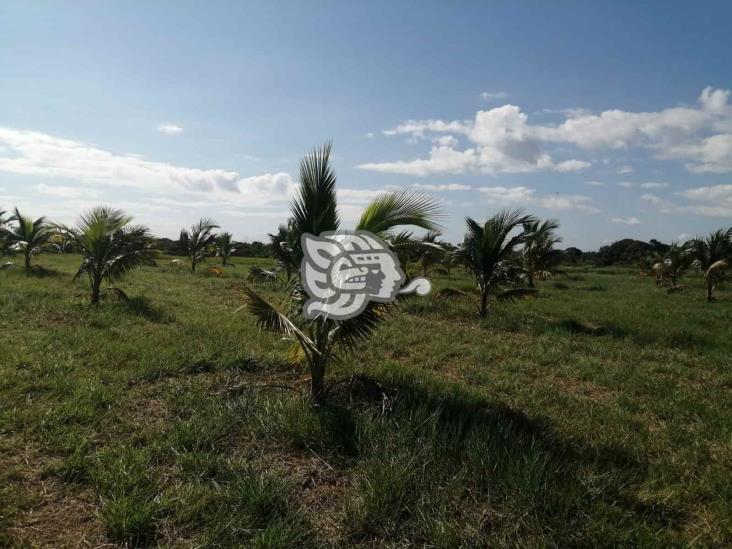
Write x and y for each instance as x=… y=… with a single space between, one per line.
x=596 y=414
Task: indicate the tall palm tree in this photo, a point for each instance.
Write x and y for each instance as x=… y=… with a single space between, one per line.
x=490 y=251
x=225 y=246
x=539 y=255
x=283 y=245
x=110 y=247
x=196 y=241
x=314 y=211
x=28 y=235
x=707 y=251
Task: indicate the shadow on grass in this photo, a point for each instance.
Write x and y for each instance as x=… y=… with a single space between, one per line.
x=42 y=272
x=539 y=476
x=141 y=306
x=574 y=326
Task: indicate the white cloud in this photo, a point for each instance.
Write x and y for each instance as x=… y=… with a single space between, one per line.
x=507 y=194
x=710 y=201
x=525 y=195
x=626 y=184
x=710 y=155
x=570 y=202
x=442 y=188
x=653 y=185
x=487 y=96
x=503 y=140
x=626 y=220
x=65 y=192
x=622 y=170
x=39 y=154
x=594 y=183
x=170 y=129
x=370 y=135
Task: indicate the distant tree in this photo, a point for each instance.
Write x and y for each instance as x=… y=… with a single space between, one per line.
x=540 y=257
x=283 y=245
x=623 y=251
x=26 y=235
x=196 y=241
x=430 y=251
x=225 y=247
x=110 y=247
x=708 y=251
x=572 y=255
x=490 y=251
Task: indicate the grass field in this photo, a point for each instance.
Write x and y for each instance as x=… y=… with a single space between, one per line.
x=597 y=414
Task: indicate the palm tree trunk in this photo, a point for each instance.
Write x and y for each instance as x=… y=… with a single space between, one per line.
x=95 y=290
x=710 y=289
x=483 y=302
x=193 y=265
x=27 y=254
x=317 y=381
x=530 y=276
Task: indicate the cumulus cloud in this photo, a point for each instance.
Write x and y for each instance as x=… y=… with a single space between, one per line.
x=711 y=201
x=626 y=220
x=39 y=154
x=653 y=185
x=594 y=183
x=626 y=184
x=577 y=203
x=622 y=170
x=497 y=195
x=501 y=140
x=170 y=129
x=64 y=192
x=525 y=196
x=442 y=187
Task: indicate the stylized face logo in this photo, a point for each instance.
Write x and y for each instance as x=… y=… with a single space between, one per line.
x=342 y=271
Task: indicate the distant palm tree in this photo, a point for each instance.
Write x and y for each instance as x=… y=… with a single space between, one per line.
x=430 y=252
x=539 y=255
x=283 y=244
x=490 y=250
x=27 y=235
x=677 y=262
x=315 y=211
x=60 y=242
x=225 y=246
x=196 y=241
x=708 y=251
x=110 y=247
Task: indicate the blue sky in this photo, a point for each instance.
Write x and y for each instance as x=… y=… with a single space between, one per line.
x=613 y=117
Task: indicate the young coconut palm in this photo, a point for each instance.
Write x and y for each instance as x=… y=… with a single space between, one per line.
x=196 y=241
x=540 y=257
x=110 y=247
x=678 y=261
x=27 y=235
x=707 y=251
x=490 y=251
x=431 y=252
x=283 y=245
x=225 y=246
x=315 y=211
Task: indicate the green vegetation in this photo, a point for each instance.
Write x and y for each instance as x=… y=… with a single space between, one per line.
x=595 y=414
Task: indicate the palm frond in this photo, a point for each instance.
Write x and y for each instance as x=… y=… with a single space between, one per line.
x=401 y=208
x=270 y=319
x=350 y=333
x=314 y=209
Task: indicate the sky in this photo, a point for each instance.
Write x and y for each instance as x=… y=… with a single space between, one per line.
x=613 y=117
